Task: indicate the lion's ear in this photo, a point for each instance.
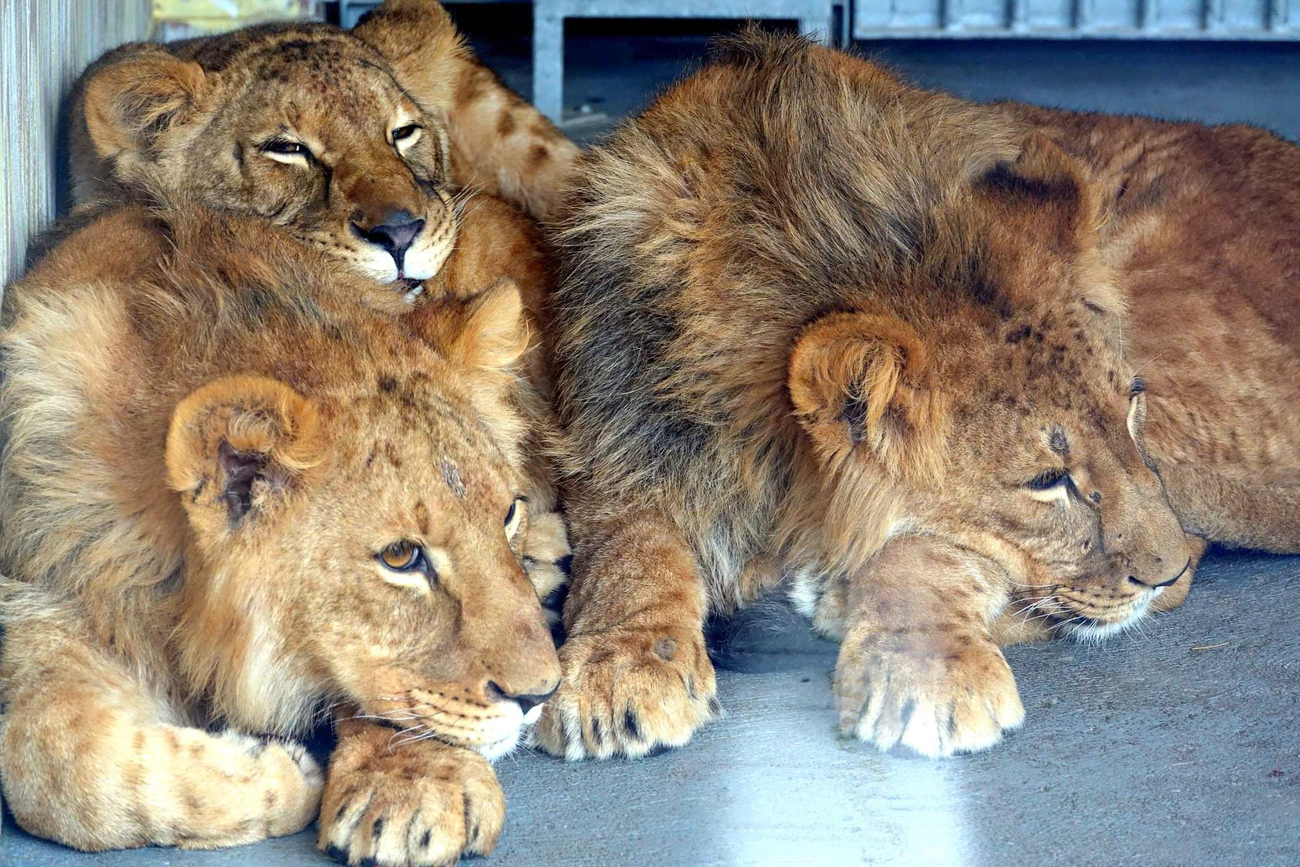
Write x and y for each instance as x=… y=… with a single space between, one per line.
x=129 y=102
x=1041 y=189
x=860 y=381
x=238 y=445
x=419 y=40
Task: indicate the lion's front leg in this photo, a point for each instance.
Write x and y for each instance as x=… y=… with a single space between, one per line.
x=918 y=665
x=94 y=760
x=637 y=674
x=396 y=801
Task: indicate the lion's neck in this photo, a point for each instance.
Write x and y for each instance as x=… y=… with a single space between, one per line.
x=231 y=654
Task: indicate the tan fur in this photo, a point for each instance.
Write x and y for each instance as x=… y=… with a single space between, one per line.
x=818 y=323
x=204 y=117
x=500 y=144
x=375 y=819
x=208 y=443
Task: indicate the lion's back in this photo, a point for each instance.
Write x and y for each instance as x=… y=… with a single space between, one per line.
x=80 y=493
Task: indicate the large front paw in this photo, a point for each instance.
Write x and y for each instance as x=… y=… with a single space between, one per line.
x=410 y=804
x=627 y=692
x=937 y=691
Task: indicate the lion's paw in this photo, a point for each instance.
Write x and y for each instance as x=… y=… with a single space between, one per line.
x=293 y=780
x=937 y=692
x=545 y=555
x=416 y=804
x=626 y=692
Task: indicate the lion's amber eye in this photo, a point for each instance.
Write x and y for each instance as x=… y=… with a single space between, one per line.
x=403 y=556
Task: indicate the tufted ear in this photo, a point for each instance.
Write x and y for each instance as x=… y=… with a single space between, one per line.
x=1042 y=189
x=127 y=104
x=860 y=383
x=236 y=445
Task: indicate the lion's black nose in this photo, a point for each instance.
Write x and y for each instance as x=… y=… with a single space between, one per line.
x=1175 y=578
x=526 y=701
x=1135 y=580
x=395 y=233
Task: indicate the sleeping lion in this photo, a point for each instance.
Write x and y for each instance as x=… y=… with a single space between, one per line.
x=957 y=375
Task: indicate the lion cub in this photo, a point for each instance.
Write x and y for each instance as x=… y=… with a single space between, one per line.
x=361 y=144
x=235 y=499
x=821 y=326
x=378 y=148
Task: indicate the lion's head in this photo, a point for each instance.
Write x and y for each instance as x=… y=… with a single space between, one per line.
x=359 y=539
x=305 y=125
x=271 y=497
x=1000 y=405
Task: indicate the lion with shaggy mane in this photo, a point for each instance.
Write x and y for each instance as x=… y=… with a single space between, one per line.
x=234 y=496
x=320 y=149
x=819 y=326
x=379 y=147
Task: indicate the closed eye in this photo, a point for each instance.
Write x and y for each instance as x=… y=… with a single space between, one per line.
x=1048 y=480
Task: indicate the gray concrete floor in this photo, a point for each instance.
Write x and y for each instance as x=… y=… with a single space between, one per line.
x=1179 y=746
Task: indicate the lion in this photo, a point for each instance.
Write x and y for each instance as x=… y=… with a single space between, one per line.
x=955 y=375
x=238 y=500
x=370 y=146
x=356 y=142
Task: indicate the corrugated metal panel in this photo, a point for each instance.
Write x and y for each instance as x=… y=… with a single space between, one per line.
x=44 y=44
x=1077 y=19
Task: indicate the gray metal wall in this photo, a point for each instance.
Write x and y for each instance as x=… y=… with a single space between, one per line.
x=44 y=44
x=1060 y=19
x=1075 y=19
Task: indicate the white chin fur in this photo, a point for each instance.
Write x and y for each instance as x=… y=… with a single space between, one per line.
x=503 y=747
x=379 y=266
x=512 y=726
x=1095 y=633
x=424 y=260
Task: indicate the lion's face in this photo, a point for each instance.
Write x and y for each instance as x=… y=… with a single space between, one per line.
x=996 y=408
x=413 y=597
x=360 y=545
x=1046 y=468
x=308 y=128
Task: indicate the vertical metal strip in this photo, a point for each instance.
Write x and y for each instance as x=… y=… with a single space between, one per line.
x=1212 y=16
x=1083 y=15
x=1148 y=16
x=1018 y=15
x=1278 y=12
x=548 y=58
x=950 y=14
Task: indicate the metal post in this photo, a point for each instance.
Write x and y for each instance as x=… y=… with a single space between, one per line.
x=548 y=58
